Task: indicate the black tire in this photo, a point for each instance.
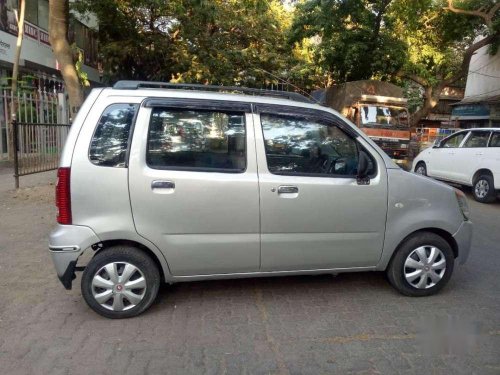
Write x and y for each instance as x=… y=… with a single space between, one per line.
x=396 y=268
x=421 y=168
x=484 y=182
x=133 y=256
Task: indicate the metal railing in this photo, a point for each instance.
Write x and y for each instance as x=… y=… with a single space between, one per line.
x=35 y=106
x=38 y=147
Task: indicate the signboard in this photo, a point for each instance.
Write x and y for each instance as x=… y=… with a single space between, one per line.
x=31 y=30
x=6 y=50
x=44 y=38
x=471 y=111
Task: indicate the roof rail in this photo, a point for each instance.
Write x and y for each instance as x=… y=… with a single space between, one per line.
x=134 y=85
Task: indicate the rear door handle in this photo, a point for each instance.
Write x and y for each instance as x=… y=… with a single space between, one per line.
x=287 y=189
x=160 y=184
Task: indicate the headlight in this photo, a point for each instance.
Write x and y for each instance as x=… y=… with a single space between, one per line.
x=462 y=204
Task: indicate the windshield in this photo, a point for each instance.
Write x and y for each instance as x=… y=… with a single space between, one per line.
x=386 y=116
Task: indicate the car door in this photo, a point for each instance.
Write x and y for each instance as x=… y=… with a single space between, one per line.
x=469 y=157
x=314 y=214
x=193 y=184
x=442 y=161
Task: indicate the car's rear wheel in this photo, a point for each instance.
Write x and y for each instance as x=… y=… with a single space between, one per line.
x=422 y=265
x=484 y=189
x=421 y=168
x=120 y=282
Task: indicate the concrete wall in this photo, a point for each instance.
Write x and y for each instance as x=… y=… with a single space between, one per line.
x=484 y=75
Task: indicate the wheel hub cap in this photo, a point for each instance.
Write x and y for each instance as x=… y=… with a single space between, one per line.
x=425 y=267
x=482 y=188
x=119 y=286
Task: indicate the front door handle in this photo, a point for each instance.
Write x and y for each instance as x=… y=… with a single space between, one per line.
x=161 y=184
x=287 y=189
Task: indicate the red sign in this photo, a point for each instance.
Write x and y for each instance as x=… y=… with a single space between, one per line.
x=44 y=38
x=31 y=30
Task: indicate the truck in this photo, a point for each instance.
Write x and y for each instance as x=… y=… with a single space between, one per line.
x=377 y=108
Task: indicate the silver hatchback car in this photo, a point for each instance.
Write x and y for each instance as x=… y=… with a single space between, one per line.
x=172 y=183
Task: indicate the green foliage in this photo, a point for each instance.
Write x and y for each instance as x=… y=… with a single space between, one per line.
x=216 y=42
x=354 y=38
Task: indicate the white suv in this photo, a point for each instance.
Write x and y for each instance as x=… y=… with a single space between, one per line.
x=470 y=157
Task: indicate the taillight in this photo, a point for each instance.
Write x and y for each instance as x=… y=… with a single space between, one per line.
x=63 y=196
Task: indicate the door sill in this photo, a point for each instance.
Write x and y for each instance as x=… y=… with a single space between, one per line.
x=241 y=275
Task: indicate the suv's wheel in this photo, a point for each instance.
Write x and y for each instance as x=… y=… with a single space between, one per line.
x=120 y=282
x=422 y=265
x=421 y=168
x=484 y=189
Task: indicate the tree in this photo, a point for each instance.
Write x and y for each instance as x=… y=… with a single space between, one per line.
x=354 y=39
x=441 y=38
x=213 y=42
x=58 y=36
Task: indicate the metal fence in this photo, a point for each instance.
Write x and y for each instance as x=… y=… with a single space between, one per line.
x=38 y=147
x=34 y=107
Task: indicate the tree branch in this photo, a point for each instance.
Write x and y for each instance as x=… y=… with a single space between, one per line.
x=413 y=77
x=486 y=16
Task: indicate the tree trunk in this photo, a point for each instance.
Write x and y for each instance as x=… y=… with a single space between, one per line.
x=15 y=73
x=58 y=35
x=431 y=100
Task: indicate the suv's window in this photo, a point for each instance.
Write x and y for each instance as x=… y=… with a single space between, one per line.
x=495 y=140
x=299 y=146
x=199 y=140
x=109 y=144
x=454 y=140
x=477 y=139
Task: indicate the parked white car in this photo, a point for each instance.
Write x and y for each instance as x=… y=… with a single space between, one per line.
x=470 y=157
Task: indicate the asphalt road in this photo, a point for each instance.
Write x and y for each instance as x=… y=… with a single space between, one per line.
x=352 y=323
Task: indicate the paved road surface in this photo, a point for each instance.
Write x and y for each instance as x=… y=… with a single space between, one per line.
x=353 y=323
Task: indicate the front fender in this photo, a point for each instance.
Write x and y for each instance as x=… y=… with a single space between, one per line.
x=415 y=203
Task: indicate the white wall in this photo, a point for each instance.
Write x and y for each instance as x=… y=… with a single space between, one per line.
x=484 y=75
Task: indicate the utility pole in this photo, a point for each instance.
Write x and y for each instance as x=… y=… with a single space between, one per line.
x=15 y=73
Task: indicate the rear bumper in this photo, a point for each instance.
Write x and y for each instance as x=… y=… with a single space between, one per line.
x=463 y=238
x=66 y=244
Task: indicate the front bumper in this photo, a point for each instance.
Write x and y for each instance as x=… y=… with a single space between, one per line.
x=66 y=244
x=463 y=238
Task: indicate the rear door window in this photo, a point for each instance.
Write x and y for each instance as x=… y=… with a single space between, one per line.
x=495 y=140
x=199 y=140
x=477 y=139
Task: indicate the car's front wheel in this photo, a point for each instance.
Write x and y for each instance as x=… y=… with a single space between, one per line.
x=421 y=168
x=422 y=265
x=484 y=189
x=120 y=282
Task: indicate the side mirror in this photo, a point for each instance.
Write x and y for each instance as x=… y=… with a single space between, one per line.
x=363 y=169
x=436 y=144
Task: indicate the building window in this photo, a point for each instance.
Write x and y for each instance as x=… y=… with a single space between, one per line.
x=31 y=11
x=85 y=40
x=43 y=14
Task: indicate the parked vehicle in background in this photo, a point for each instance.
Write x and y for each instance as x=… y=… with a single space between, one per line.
x=469 y=157
x=281 y=187
x=377 y=108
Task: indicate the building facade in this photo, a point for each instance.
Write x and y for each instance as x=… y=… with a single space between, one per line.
x=481 y=104
x=39 y=72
